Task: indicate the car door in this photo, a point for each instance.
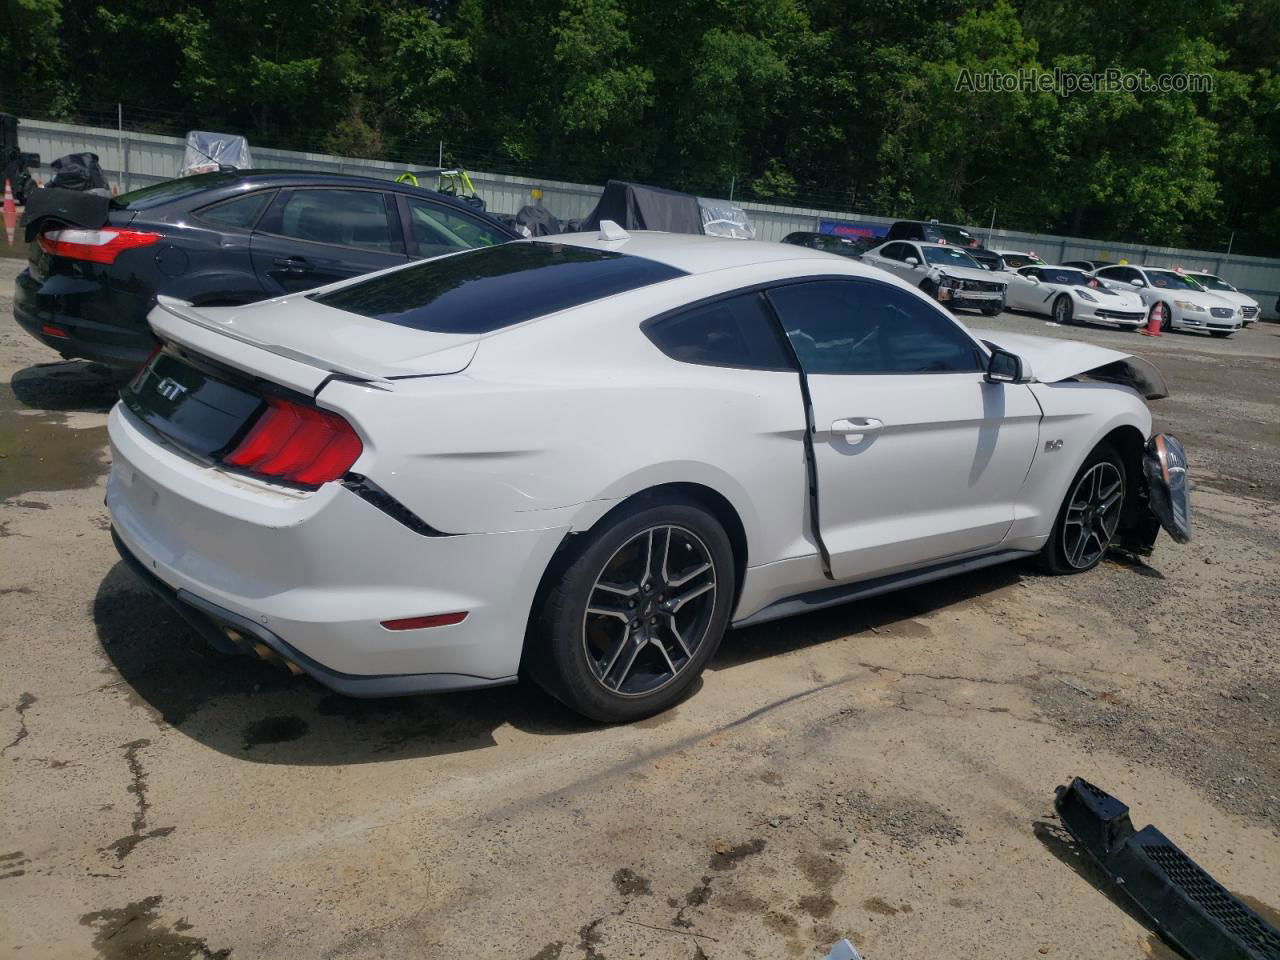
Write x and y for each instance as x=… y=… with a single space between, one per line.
x=311 y=236
x=917 y=457
x=1023 y=294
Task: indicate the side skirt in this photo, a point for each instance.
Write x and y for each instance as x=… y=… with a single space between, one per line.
x=862 y=589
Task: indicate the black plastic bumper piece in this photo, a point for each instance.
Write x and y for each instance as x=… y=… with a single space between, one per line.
x=1188 y=908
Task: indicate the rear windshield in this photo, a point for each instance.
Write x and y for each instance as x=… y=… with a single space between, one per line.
x=494 y=287
x=168 y=190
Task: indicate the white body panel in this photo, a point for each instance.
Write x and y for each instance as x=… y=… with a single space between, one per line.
x=543 y=427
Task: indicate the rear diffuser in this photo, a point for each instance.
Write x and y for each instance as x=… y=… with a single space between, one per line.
x=1187 y=907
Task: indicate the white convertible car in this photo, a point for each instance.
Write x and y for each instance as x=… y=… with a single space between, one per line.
x=582 y=458
x=1185 y=305
x=1072 y=296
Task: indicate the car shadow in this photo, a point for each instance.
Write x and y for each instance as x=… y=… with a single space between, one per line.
x=244 y=707
x=884 y=612
x=69 y=385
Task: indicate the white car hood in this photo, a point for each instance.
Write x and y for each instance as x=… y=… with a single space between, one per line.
x=1111 y=297
x=968 y=273
x=1053 y=361
x=1236 y=297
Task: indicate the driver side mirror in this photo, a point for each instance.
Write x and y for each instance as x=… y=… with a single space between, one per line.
x=1031 y=279
x=1006 y=367
x=912 y=262
x=1137 y=283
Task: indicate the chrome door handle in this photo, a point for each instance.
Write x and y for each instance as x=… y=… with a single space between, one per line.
x=851 y=426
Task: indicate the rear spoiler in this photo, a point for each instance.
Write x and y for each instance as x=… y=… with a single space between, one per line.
x=317 y=370
x=52 y=205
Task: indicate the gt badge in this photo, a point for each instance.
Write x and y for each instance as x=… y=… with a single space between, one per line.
x=170 y=388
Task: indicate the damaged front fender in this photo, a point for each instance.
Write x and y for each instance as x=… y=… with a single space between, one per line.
x=1056 y=360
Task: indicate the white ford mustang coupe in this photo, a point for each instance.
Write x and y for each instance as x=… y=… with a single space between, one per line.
x=582 y=458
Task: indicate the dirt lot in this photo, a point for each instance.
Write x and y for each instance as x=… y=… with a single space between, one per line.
x=883 y=771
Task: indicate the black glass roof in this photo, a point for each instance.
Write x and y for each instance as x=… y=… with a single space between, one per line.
x=483 y=290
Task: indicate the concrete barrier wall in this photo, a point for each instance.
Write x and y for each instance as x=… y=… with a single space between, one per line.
x=131 y=160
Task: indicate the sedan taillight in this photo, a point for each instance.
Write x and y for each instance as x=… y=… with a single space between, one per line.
x=297 y=444
x=95 y=246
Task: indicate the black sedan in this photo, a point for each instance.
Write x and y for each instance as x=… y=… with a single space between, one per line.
x=851 y=247
x=219 y=239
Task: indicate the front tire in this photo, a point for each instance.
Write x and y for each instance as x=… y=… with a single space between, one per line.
x=1089 y=516
x=991 y=311
x=1063 y=310
x=627 y=627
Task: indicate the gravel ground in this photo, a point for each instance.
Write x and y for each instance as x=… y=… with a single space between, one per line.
x=883 y=771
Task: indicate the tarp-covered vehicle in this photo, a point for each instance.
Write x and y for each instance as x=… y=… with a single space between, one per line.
x=214 y=152
x=637 y=206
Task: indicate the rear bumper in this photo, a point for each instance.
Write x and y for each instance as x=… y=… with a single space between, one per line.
x=313 y=576
x=70 y=306
x=232 y=633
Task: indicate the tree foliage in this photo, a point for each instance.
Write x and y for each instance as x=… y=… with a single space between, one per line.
x=844 y=105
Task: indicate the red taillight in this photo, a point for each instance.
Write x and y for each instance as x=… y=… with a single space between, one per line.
x=418 y=623
x=96 y=246
x=49 y=330
x=297 y=444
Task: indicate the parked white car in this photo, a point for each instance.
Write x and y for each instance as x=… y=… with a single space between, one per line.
x=1073 y=296
x=583 y=457
x=1186 y=304
x=944 y=272
x=1249 y=307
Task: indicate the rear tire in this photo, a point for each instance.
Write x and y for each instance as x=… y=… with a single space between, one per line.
x=1089 y=517
x=626 y=628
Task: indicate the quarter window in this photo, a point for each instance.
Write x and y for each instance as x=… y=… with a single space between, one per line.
x=242 y=212
x=733 y=332
x=865 y=327
x=347 y=218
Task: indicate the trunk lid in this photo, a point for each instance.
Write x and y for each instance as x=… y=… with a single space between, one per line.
x=306 y=343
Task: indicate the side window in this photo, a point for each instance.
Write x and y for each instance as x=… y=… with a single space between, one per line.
x=438 y=230
x=347 y=218
x=733 y=332
x=1031 y=272
x=856 y=326
x=241 y=213
x=893 y=251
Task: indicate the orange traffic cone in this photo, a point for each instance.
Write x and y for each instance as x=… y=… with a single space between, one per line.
x=1155 y=321
x=9 y=205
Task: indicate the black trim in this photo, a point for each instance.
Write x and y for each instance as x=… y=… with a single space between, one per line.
x=1186 y=906
x=861 y=589
x=375 y=496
